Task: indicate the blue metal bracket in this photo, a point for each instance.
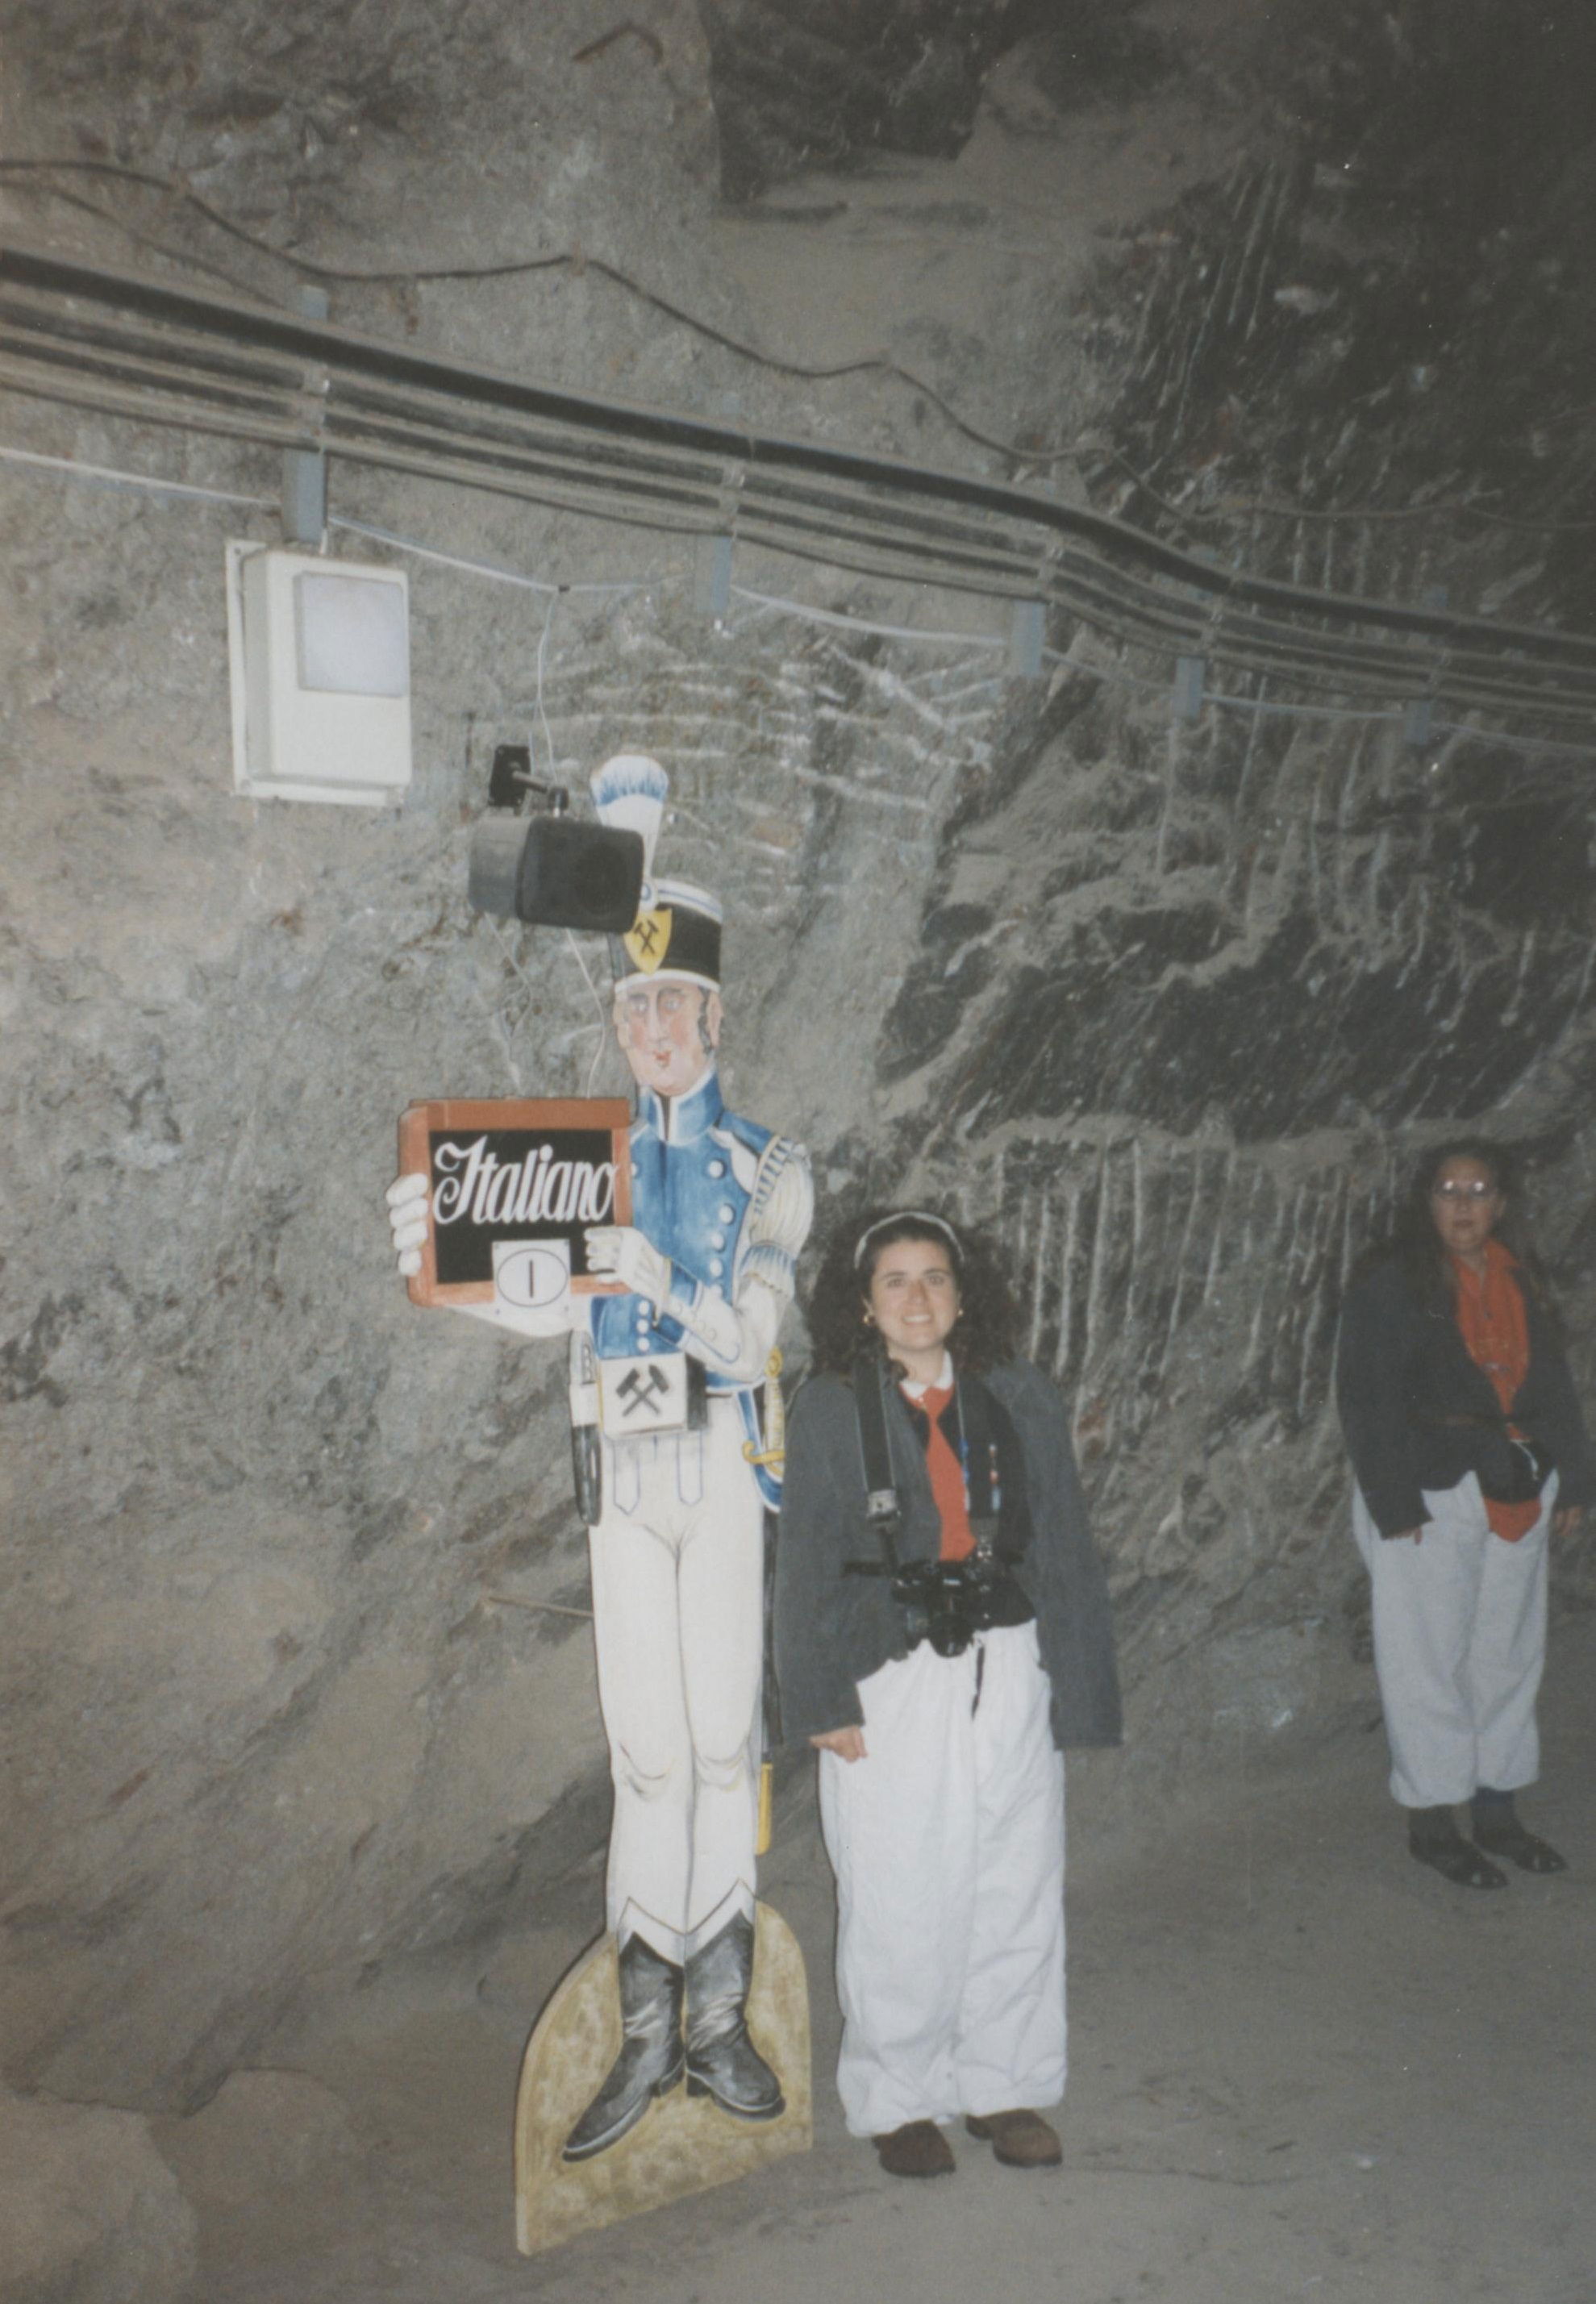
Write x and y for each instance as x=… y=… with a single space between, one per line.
x=1186 y=701
x=1025 y=637
x=304 y=470
x=712 y=576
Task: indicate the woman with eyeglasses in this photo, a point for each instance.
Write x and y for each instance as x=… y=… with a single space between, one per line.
x=942 y=1634
x=1468 y=1448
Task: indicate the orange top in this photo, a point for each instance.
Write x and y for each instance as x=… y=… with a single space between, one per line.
x=1495 y=1334
x=948 y=1477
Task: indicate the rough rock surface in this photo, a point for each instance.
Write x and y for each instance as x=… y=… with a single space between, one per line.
x=274 y=2168
x=89 y=2214
x=294 y=1689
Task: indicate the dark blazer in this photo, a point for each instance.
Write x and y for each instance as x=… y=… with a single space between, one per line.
x=1401 y=1369
x=833 y=1630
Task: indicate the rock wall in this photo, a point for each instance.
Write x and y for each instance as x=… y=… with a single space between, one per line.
x=298 y=1680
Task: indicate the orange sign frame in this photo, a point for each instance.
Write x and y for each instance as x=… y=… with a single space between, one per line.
x=451 y=1118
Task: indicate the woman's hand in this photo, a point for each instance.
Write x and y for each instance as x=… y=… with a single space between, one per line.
x=847 y=1743
x=1565 y=1520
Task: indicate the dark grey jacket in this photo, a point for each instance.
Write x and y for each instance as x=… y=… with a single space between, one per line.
x=1402 y=1369
x=833 y=1630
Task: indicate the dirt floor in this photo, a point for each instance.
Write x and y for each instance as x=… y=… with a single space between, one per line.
x=1303 y=2067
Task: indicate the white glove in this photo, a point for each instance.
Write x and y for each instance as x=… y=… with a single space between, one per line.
x=620 y=1252
x=407 y=1214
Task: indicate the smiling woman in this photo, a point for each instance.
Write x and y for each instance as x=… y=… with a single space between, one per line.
x=1468 y=1448
x=942 y=1633
x=912 y=1301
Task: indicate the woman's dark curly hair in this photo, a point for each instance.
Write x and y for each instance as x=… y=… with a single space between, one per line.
x=985 y=1332
x=1414 y=1243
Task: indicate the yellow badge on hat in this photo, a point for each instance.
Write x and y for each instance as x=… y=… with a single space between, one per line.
x=649 y=939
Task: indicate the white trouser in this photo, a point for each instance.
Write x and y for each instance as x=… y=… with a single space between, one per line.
x=1459 y=1644
x=678 y=1623
x=948 y=1842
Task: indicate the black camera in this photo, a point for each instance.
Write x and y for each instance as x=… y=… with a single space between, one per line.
x=947 y=1602
x=1517 y=1470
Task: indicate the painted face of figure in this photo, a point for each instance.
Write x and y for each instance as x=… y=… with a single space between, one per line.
x=1467 y=1206
x=913 y=1300
x=668 y=1033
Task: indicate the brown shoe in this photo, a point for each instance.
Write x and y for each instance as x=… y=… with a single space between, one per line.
x=917 y=2148
x=1020 y=2139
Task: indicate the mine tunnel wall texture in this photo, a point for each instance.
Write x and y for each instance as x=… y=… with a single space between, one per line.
x=1162 y=1002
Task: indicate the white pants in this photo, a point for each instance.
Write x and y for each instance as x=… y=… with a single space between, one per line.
x=678 y=1621
x=1459 y=1645
x=948 y=1842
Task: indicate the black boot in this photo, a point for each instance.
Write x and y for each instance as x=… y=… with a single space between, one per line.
x=1434 y=1839
x=722 y=2060
x=1498 y=1827
x=651 y=2061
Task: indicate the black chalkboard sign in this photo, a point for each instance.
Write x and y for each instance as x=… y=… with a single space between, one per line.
x=535 y=1171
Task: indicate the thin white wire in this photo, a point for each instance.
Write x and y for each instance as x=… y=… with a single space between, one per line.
x=586 y=979
x=548 y=745
x=481 y=567
x=542 y=650
x=602 y=1018
x=1315 y=711
x=1512 y=743
x=108 y=477
x=862 y=625
x=1115 y=678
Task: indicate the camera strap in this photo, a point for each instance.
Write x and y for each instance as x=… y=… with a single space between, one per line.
x=978 y=1449
x=881 y=1509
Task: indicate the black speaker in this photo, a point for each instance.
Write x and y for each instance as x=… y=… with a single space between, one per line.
x=556 y=872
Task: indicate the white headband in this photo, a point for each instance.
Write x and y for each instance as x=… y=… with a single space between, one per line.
x=907 y=1216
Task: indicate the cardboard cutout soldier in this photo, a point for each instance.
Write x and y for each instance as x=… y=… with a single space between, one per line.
x=665 y=1397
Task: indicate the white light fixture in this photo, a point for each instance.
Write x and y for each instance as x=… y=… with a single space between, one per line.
x=318 y=651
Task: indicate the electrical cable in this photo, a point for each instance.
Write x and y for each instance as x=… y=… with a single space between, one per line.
x=1267 y=705
x=863 y=623
x=1113 y=600
x=1527 y=744
x=1452 y=507
x=153 y=484
x=773 y=604
x=542 y=650
x=734 y=460
x=573 y=261
x=1231 y=508
x=1128 y=608
x=455 y=560
x=578 y=262
x=156 y=247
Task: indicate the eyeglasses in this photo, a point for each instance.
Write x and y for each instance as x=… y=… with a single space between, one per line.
x=1474 y=1191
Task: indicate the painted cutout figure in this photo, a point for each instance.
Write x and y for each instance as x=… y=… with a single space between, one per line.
x=665 y=1381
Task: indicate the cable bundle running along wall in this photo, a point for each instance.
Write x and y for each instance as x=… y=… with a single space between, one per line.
x=122 y=345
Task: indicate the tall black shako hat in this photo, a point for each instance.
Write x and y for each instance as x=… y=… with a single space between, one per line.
x=676 y=935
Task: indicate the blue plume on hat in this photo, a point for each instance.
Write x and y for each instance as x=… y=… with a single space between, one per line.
x=630 y=792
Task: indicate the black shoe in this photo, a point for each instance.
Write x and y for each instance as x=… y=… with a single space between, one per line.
x=1496 y=1827
x=722 y=2060
x=1433 y=1839
x=651 y=2059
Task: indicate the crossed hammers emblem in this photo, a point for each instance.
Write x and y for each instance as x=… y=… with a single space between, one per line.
x=638 y=1391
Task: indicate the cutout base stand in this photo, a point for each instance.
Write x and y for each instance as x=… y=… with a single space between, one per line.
x=683 y=2144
